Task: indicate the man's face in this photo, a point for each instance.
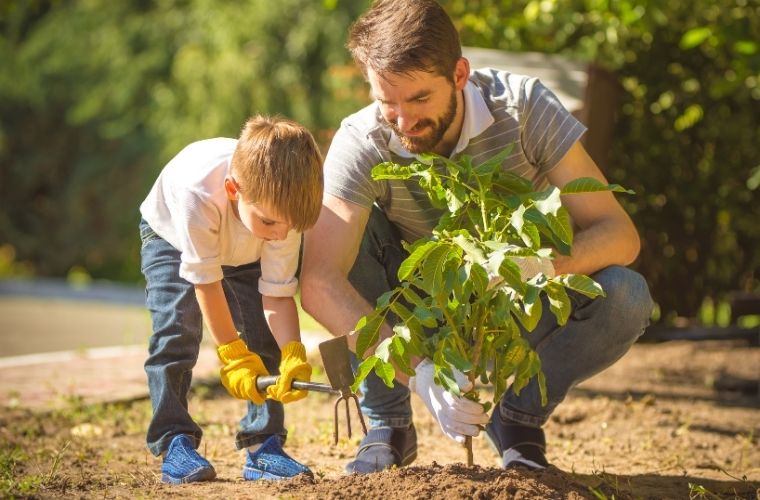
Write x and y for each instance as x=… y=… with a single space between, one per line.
x=419 y=106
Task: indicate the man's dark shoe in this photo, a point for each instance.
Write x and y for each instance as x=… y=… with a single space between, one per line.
x=182 y=464
x=384 y=447
x=519 y=446
x=270 y=462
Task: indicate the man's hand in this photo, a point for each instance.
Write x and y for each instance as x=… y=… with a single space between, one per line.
x=457 y=416
x=240 y=370
x=293 y=366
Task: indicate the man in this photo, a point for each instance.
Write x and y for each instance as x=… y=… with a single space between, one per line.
x=428 y=100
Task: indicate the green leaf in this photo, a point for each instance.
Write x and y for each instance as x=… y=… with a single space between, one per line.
x=382 y=350
x=530 y=310
x=694 y=37
x=410 y=264
x=554 y=229
x=559 y=302
x=591 y=185
x=455 y=358
x=549 y=202
x=479 y=278
x=368 y=330
x=456 y=198
x=511 y=274
x=426 y=317
x=405 y=315
x=530 y=235
x=745 y=47
x=542 y=387
x=443 y=374
x=433 y=267
x=561 y=225
x=581 y=284
x=493 y=164
x=516 y=352
x=365 y=367
x=411 y=296
x=471 y=249
x=384 y=299
x=403 y=332
x=517 y=219
x=390 y=170
x=400 y=356
x=507 y=182
x=386 y=372
x=428 y=158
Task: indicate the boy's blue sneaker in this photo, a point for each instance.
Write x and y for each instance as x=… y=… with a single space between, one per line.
x=182 y=464
x=271 y=462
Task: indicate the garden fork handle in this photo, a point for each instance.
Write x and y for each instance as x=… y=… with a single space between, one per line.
x=268 y=380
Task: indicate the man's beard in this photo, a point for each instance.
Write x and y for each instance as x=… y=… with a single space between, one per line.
x=426 y=143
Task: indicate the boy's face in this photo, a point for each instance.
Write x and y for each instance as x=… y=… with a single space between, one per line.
x=259 y=218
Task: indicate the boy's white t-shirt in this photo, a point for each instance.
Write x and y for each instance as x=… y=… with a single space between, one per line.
x=188 y=207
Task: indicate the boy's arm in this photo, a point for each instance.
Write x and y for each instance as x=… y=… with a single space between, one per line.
x=216 y=312
x=241 y=366
x=282 y=317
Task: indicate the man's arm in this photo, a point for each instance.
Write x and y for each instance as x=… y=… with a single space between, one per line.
x=330 y=250
x=606 y=234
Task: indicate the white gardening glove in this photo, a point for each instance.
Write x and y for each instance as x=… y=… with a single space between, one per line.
x=529 y=267
x=457 y=416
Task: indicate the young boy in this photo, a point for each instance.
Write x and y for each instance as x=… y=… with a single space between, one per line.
x=221 y=234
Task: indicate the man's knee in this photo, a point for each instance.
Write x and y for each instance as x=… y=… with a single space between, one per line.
x=627 y=295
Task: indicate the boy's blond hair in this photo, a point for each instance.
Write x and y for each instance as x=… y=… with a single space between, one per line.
x=277 y=161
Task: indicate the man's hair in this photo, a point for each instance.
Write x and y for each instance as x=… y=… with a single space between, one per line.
x=400 y=36
x=277 y=161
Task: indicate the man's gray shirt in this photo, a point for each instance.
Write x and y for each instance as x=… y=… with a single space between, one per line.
x=500 y=109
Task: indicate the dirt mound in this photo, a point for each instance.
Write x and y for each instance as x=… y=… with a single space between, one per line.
x=453 y=481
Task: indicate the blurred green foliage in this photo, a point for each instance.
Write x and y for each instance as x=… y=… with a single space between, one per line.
x=688 y=126
x=95 y=97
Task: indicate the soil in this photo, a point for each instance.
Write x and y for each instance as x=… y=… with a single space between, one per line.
x=672 y=420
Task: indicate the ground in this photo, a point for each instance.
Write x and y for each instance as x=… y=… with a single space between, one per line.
x=672 y=420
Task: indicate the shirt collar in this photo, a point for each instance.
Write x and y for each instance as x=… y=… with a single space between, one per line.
x=477 y=118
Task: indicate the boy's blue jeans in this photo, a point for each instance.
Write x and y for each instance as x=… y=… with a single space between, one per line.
x=597 y=334
x=176 y=339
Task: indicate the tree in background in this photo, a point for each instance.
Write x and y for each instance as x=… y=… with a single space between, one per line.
x=687 y=130
x=95 y=97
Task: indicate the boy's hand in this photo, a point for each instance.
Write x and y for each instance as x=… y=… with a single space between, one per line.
x=240 y=370
x=293 y=366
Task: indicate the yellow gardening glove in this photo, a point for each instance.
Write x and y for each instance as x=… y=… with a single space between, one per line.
x=293 y=366
x=240 y=370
